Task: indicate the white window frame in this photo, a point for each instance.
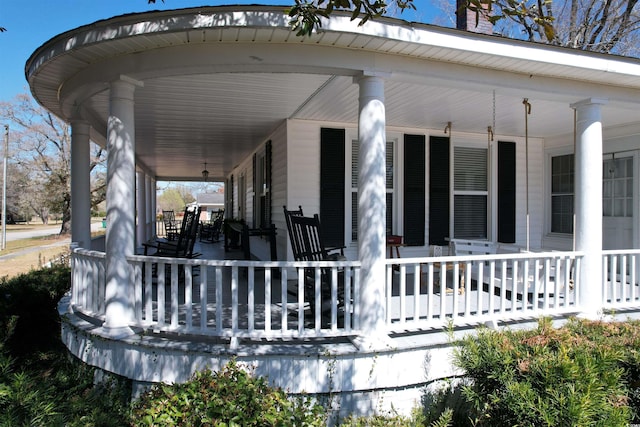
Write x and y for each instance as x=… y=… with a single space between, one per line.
x=548 y=189
x=475 y=143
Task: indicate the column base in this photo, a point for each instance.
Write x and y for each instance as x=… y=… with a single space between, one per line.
x=373 y=342
x=116 y=332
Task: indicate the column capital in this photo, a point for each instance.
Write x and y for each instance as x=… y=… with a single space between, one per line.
x=123 y=78
x=371 y=73
x=124 y=87
x=589 y=101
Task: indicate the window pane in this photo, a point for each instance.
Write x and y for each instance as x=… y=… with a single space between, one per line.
x=389 y=214
x=470 y=217
x=562 y=182
x=470 y=169
x=618 y=207
x=562 y=174
x=562 y=214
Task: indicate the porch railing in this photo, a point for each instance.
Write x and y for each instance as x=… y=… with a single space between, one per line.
x=255 y=300
x=245 y=299
x=621 y=273
x=88 y=282
x=429 y=292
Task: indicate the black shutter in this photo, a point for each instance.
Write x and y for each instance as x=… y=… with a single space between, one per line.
x=506 y=192
x=268 y=172
x=255 y=192
x=332 y=152
x=231 y=207
x=438 y=190
x=414 y=189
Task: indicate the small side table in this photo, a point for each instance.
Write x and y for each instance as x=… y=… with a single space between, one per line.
x=394 y=242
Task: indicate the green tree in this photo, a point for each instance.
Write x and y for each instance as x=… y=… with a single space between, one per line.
x=171 y=200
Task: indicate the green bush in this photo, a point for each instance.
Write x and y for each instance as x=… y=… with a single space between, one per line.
x=391 y=420
x=29 y=321
x=40 y=384
x=546 y=376
x=230 y=397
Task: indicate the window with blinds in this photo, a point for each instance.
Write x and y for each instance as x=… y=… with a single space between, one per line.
x=390 y=187
x=562 y=184
x=470 y=193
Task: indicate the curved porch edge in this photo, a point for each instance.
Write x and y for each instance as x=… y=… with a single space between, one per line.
x=334 y=370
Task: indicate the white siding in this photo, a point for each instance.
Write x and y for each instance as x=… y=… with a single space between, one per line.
x=535 y=191
x=296 y=180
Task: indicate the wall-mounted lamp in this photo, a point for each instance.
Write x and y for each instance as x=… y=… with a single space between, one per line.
x=205 y=172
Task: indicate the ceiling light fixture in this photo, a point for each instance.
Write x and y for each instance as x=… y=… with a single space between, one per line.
x=205 y=172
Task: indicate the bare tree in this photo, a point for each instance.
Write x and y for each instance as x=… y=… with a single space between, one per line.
x=608 y=26
x=41 y=151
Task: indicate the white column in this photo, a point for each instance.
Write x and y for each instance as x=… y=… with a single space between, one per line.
x=371 y=207
x=152 y=197
x=141 y=209
x=121 y=206
x=588 y=203
x=80 y=185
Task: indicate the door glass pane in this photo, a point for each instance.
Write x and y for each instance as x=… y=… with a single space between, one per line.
x=617 y=187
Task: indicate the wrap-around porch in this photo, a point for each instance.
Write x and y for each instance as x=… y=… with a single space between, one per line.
x=237 y=300
x=276 y=117
x=204 y=311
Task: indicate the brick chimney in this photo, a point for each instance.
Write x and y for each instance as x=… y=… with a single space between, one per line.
x=466 y=19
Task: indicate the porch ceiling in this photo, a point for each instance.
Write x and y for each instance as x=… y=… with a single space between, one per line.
x=217 y=102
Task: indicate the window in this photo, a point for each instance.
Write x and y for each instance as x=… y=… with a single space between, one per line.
x=617 y=187
x=390 y=187
x=562 y=184
x=470 y=192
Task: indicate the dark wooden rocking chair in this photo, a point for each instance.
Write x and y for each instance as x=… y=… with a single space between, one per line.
x=305 y=235
x=182 y=247
x=170 y=225
x=295 y=244
x=210 y=231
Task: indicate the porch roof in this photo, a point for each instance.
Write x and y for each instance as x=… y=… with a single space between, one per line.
x=217 y=81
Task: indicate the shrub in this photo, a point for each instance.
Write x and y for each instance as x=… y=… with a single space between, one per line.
x=29 y=321
x=40 y=384
x=545 y=376
x=230 y=397
x=389 y=420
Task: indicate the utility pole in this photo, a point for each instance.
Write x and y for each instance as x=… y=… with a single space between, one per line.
x=4 y=188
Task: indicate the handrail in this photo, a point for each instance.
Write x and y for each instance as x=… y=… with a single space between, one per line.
x=237 y=299
x=431 y=292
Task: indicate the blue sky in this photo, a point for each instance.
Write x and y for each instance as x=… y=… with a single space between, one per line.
x=30 y=23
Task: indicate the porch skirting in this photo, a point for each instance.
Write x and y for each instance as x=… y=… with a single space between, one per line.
x=334 y=370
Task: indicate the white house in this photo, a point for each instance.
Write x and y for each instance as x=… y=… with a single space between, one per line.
x=388 y=128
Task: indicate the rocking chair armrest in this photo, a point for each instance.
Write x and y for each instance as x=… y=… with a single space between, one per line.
x=336 y=249
x=161 y=247
x=335 y=257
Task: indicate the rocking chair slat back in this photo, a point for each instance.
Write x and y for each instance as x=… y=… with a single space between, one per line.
x=305 y=239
